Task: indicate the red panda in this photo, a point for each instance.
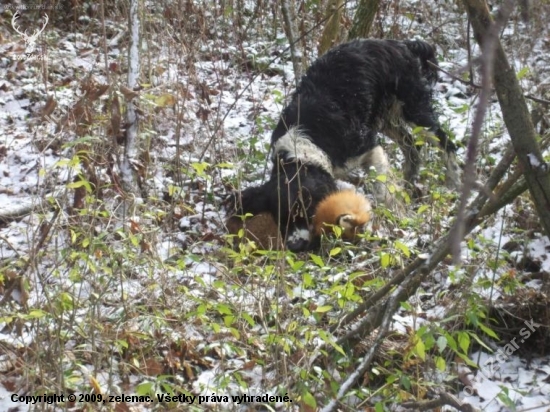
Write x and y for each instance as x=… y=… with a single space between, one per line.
x=346 y=208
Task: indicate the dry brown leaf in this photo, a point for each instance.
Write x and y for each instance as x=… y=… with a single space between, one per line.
x=203 y=113
x=134 y=227
x=95 y=384
x=189 y=371
x=49 y=107
x=249 y=365
x=128 y=94
x=145 y=246
x=115 y=118
x=152 y=367
x=122 y=407
x=97 y=91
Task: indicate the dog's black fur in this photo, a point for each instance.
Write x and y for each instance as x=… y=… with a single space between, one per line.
x=345 y=99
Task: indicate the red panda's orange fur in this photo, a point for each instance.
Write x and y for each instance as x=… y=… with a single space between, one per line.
x=346 y=208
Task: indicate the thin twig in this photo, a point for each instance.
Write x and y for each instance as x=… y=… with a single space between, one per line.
x=470 y=82
x=44 y=230
x=443 y=399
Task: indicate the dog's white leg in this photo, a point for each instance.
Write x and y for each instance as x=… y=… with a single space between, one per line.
x=453 y=175
x=384 y=191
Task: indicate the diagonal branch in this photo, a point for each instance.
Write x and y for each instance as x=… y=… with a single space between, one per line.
x=515 y=114
x=488 y=48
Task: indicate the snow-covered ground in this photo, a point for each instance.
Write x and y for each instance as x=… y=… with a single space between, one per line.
x=220 y=126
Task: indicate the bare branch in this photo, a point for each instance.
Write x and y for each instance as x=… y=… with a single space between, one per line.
x=487 y=61
x=443 y=399
x=471 y=82
x=515 y=113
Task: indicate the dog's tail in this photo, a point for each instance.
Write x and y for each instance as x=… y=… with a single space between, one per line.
x=426 y=54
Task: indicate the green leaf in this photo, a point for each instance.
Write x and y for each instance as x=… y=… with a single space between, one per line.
x=144 y=388
x=384 y=260
x=307 y=280
x=440 y=363
x=80 y=183
x=451 y=342
x=505 y=398
x=464 y=341
x=403 y=248
x=406 y=305
x=522 y=73
x=478 y=340
x=225 y=165
x=235 y=333
x=467 y=360
x=224 y=309
x=228 y=320
x=122 y=343
x=487 y=331
x=441 y=343
x=200 y=167
x=328 y=339
x=420 y=349
x=335 y=251
x=309 y=400
x=317 y=260
x=405 y=381
x=422 y=209
x=35 y=314
x=201 y=309
x=297 y=265
x=323 y=309
x=349 y=290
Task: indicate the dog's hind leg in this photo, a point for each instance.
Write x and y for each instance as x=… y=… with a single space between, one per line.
x=399 y=133
x=423 y=115
x=384 y=189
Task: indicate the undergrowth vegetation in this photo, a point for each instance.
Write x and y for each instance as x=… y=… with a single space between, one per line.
x=164 y=301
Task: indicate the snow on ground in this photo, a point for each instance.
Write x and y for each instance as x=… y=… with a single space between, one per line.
x=32 y=165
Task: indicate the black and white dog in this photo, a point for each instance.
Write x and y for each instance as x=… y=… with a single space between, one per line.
x=331 y=126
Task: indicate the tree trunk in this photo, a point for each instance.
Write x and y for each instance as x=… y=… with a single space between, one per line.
x=288 y=24
x=363 y=19
x=331 y=32
x=130 y=160
x=516 y=115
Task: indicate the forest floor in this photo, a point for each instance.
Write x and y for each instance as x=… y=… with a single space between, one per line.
x=95 y=301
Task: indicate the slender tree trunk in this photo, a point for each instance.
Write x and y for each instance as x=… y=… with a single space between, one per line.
x=127 y=169
x=363 y=19
x=288 y=24
x=331 y=32
x=516 y=115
